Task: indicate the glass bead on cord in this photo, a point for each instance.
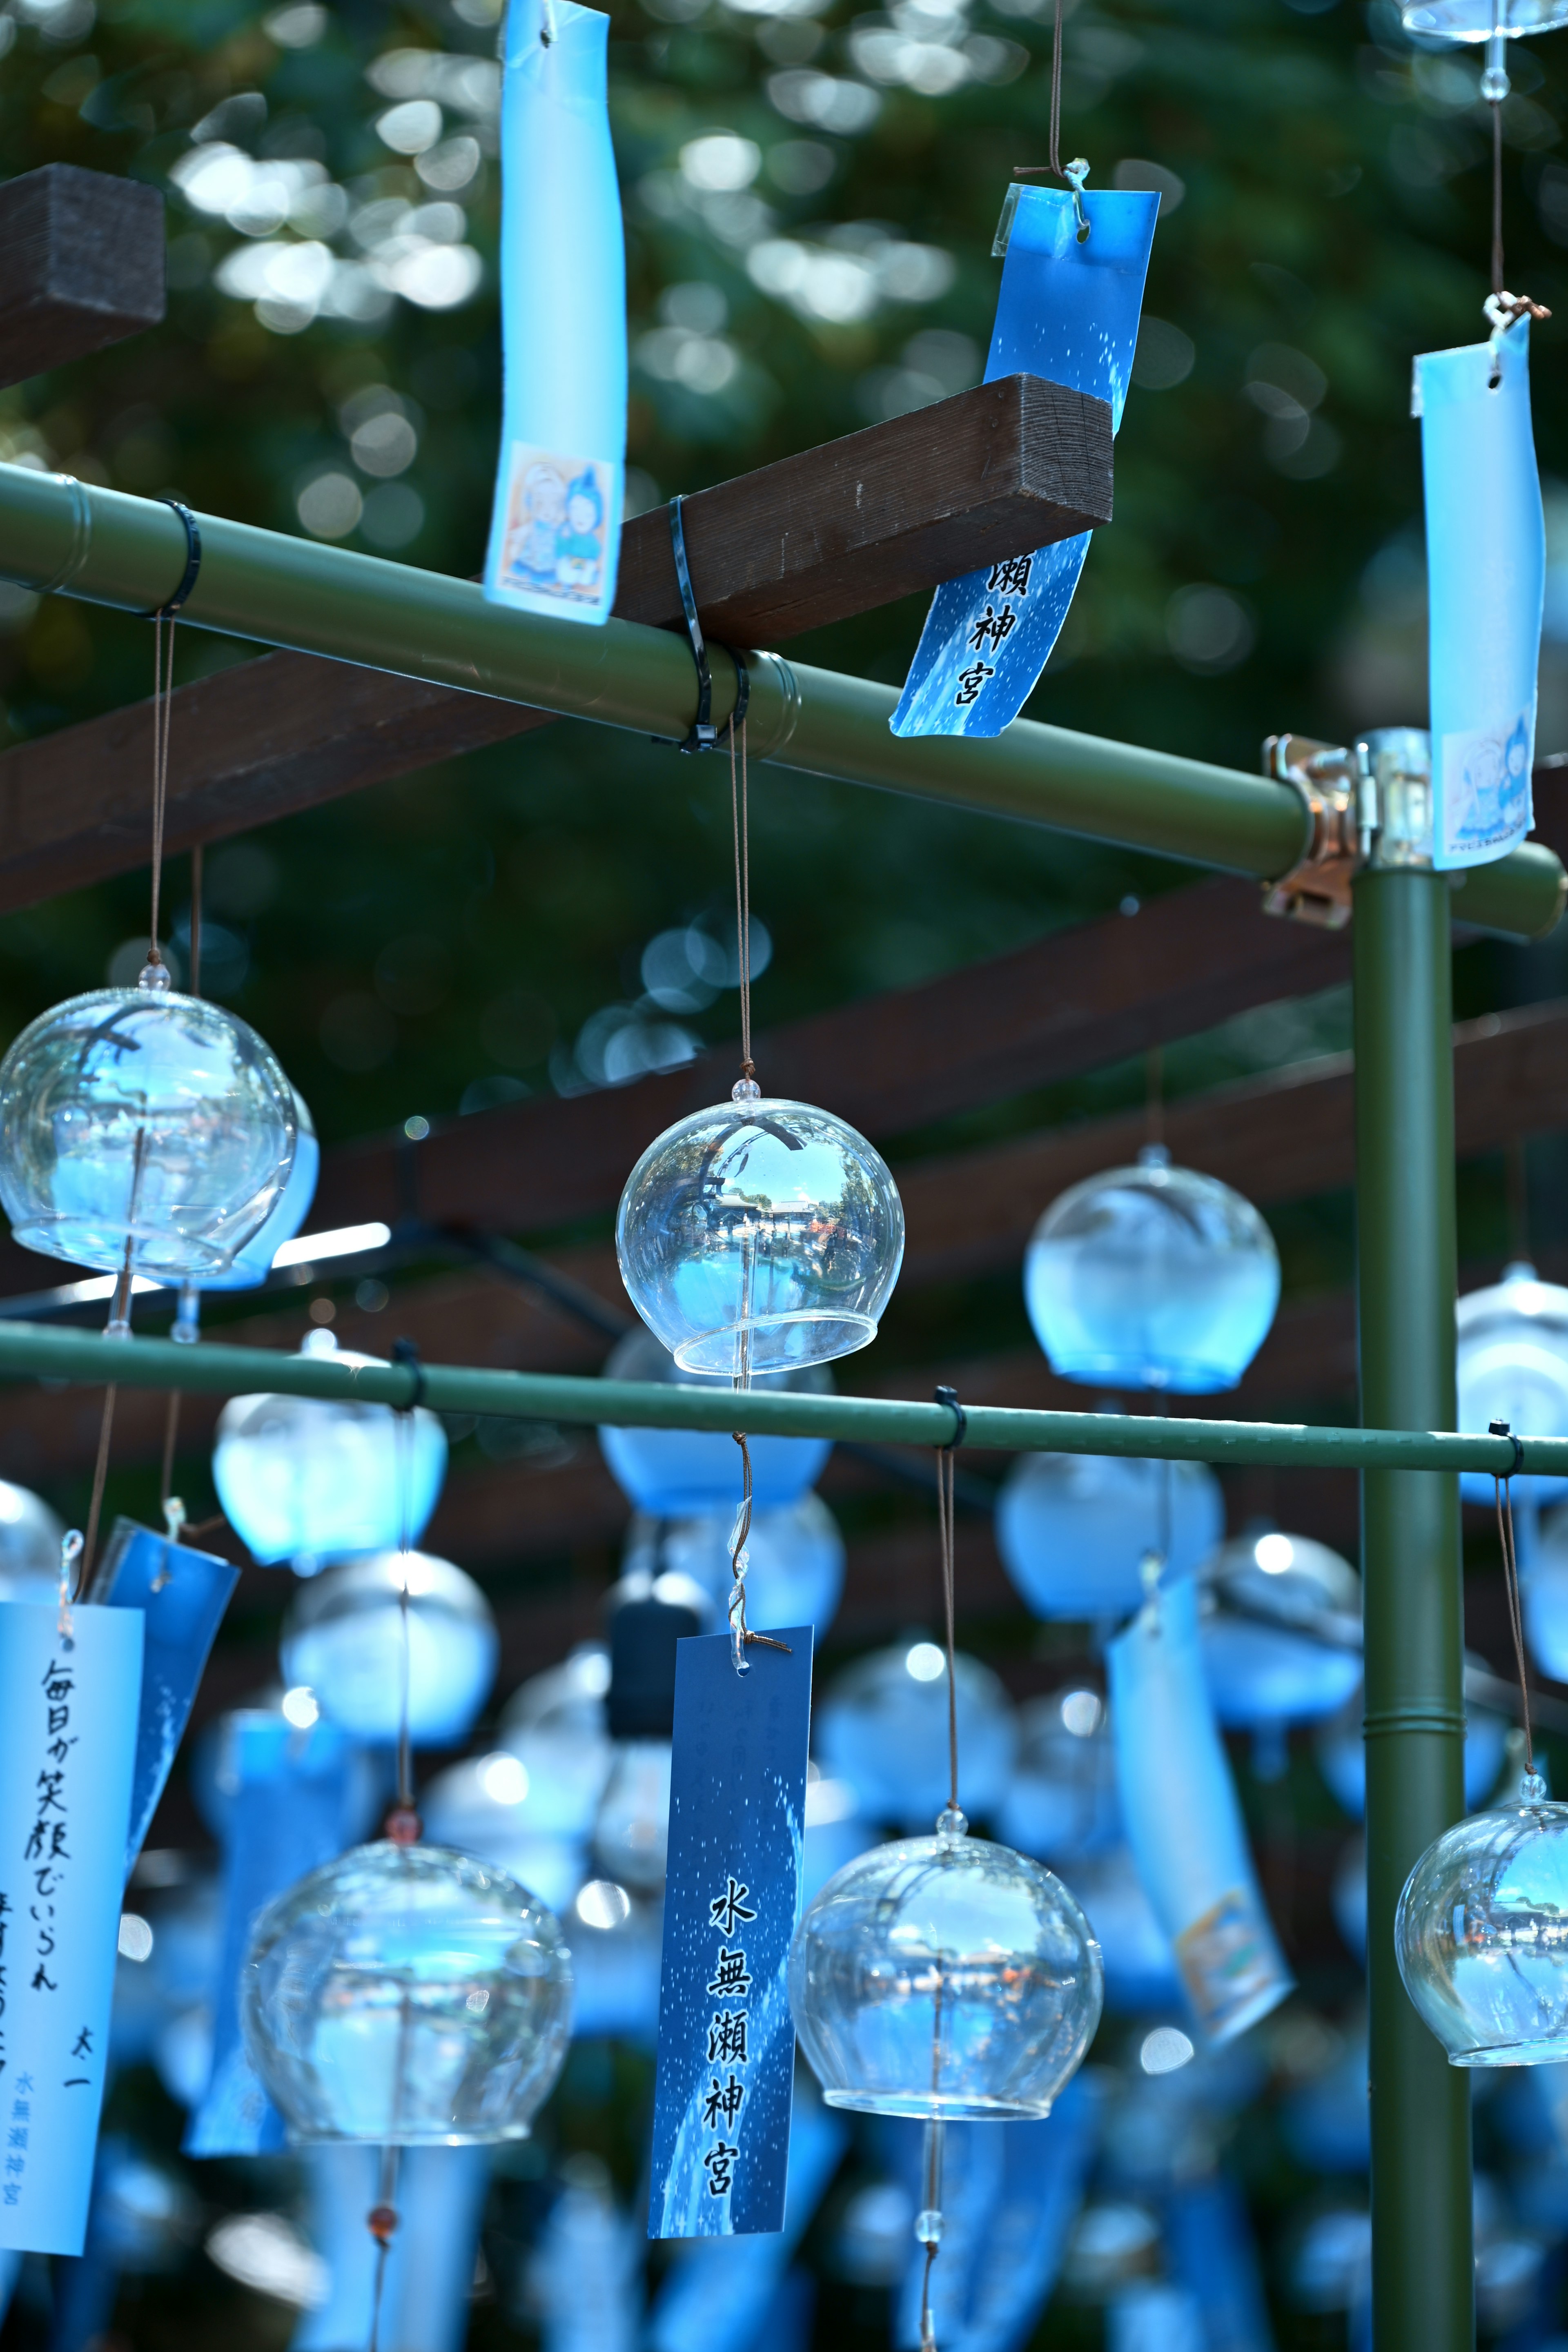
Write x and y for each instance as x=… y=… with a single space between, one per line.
x=141 y=1121
x=759 y=1235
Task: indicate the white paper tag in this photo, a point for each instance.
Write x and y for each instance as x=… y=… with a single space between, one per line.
x=69 y=1710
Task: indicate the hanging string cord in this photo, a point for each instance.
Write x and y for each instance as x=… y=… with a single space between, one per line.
x=194 y=984
x=382 y=2223
x=1503 y=309
x=403 y=1823
x=169 y=1502
x=945 y=1470
x=100 y=1477
x=741 y=829
x=1503 y=1492
x=1056 y=140
x=162 y=690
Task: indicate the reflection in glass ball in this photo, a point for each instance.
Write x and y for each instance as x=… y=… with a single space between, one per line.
x=1481 y=1935
x=307 y=1479
x=678 y=1473
x=1152 y=1277
x=796 y=1563
x=344 y=1637
x=136 y=1118
x=1512 y=1366
x=30 y=1540
x=407 y=1996
x=759 y=1235
x=947 y=1978
x=1073 y=1529
x=253 y=1264
x=883 y=1727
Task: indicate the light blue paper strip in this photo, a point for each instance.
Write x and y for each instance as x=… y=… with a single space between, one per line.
x=555 y=532
x=1183 y=1823
x=1486 y=572
x=68 y=1740
x=1068 y=312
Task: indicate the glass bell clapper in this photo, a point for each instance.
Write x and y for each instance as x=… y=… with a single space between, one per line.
x=1073 y=1529
x=1281 y=1630
x=759 y=1236
x=253 y=1264
x=1340 y=1751
x=30 y=1540
x=1152 y=1277
x=556 y=1727
x=407 y=1996
x=427 y=2292
x=142 y=1130
x=681 y=1474
x=1512 y=1366
x=1481 y=1934
x=631 y=1828
x=482 y=1807
x=343 y=1643
x=1060 y=1803
x=882 y=1726
x=306 y=1479
x=795 y=1573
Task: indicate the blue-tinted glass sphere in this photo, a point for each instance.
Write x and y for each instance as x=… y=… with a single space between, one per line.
x=1073 y=1529
x=836 y=1832
x=407 y=1996
x=759 y=1235
x=796 y=1571
x=1475 y=21
x=253 y=1264
x=1152 y=1277
x=1481 y=1935
x=631 y=1828
x=305 y=1479
x=1061 y=1802
x=1342 y=1753
x=555 y=1727
x=1281 y=1642
x=946 y=1978
x=134 y=1118
x=681 y=1474
x=343 y=1641
x=1512 y=1366
x=30 y=1540
x=882 y=1726
x=484 y=1807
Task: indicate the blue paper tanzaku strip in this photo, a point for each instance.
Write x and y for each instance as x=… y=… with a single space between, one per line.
x=67 y=1738
x=555 y=531
x=1068 y=312
x=726 y=2041
x=181 y=1595
x=1485 y=576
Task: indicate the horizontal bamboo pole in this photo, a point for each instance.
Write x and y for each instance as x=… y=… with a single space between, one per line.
x=87 y=1359
x=63 y=536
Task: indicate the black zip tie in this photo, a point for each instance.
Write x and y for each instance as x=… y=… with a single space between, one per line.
x=192 y=572
x=404 y=1352
x=704 y=735
x=949 y=1397
x=1502 y=1429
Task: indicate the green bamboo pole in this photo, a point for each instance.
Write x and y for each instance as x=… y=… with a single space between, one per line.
x=69 y=538
x=88 y=1358
x=1423 y=2261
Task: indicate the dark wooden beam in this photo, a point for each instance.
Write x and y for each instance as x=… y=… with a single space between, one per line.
x=1069 y=1003
x=797 y=545
x=81 y=265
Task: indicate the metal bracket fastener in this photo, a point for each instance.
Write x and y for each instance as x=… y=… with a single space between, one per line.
x=1325 y=777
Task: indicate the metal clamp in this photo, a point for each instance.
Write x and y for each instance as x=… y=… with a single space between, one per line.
x=949 y=1397
x=1325 y=778
x=192 y=572
x=704 y=735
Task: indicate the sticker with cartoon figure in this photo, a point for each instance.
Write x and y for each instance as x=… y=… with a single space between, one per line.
x=556 y=512
x=1486 y=781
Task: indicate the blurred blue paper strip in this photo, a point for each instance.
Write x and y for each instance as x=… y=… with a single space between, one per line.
x=182 y=1594
x=1183 y=1823
x=1486 y=573
x=68 y=1736
x=726 y=2041
x=555 y=532
x=1068 y=312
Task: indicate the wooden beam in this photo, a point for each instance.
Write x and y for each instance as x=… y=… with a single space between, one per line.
x=1069 y=1003
x=81 y=266
x=813 y=539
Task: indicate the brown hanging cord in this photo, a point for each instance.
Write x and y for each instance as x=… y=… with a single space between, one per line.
x=741 y=829
x=163 y=688
x=1502 y=1491
x=100 y=1476
x=945 y=1467
x=382 y=2223
x=194 y=985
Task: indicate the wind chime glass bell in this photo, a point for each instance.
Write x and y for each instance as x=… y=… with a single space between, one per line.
x=1474 y=21
x=883 y=1727
x=308 y=1479
x=407 y=1996
x=140 y=1128
x=1282 y=1637
x=1075 y=1530
x=1152 y=1277
x=759 y=1235
x=344 y=1636
x=1481 y=1935
x=945 y=1978
x=1512 y=1366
